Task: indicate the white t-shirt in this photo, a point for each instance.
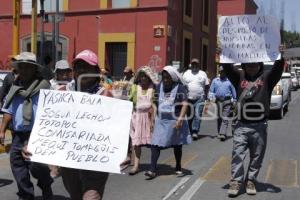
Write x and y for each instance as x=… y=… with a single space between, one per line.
x=196 y=83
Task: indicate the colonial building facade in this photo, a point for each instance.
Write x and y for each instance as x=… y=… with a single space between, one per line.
x=122 y=32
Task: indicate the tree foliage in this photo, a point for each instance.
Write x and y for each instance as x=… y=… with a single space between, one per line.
x=290 y=39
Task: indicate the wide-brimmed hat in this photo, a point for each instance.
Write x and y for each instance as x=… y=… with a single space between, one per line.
x=26 y=58
x=88 y=56
x=149 y=72
x=62 y=65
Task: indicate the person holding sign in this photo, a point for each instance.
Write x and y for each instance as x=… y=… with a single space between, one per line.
x=254 y=87
x=84 y=184
x=171 y=127
x=143 y=116
x=20 y=108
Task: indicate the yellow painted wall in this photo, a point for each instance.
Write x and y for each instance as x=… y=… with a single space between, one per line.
x=103 y=4
x=116 y=37
x=66 y=5
x=133 y=3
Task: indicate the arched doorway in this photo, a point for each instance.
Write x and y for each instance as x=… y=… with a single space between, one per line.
x=48 y=44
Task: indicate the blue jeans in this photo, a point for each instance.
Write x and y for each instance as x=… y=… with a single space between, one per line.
x=194 y=114
x=21 y=168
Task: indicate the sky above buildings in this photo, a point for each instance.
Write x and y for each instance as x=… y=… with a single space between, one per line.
x=289 y=10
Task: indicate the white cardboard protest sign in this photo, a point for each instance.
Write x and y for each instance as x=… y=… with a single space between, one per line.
x=248 y=38
x=79 y=130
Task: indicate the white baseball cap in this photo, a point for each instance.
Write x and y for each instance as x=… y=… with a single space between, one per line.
x=62 y=64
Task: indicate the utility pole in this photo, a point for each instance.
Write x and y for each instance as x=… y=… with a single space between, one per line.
x=56 y=30
x=16 y=27
x=42 y=13
x=33 y=27
x=53 y=38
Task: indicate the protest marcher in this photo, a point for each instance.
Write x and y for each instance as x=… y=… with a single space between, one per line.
x=20 y=108
x=128 y=74
x=171 y=127
x=62 y=76
x=7 y=82
x=143 y=115
x=60 y=81
x=106 y=79
x=85 y=184
x=198 y=86
x=126 y=85
x=223 y=94
x=254 y=87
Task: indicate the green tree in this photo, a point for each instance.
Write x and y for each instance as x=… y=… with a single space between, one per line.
x=290 y=39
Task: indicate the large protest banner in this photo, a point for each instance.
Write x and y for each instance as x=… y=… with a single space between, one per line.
x=248 y=38
x=79 y=130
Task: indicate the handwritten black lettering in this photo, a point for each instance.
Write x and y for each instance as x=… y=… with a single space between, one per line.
x=58 y=123
x=44 y=152
x=262 y=20
x=52 y=97
x=71 y=155
x=91 y=100
x=228 y=21
x=64 y=134
x=91 y=116
x=49 y=113
x=104 y=148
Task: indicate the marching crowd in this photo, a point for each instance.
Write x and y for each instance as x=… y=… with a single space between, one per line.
x=167 y=113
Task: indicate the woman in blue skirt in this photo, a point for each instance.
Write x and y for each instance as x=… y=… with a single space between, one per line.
x=171 y=127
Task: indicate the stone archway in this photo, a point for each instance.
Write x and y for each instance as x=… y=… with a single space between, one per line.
x=62 y=51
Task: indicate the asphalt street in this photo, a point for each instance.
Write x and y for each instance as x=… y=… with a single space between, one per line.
x=206 y=164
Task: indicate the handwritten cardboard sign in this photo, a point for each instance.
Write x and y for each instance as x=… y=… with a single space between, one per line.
x=79 y=130
x=248 y=38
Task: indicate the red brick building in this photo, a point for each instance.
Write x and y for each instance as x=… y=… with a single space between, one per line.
x=124 y=32
x=236 y=7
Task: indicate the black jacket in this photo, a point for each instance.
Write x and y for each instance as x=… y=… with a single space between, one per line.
x=259 y=96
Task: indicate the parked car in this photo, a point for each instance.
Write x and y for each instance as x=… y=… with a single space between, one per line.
x=281 y=96
x=295 y=82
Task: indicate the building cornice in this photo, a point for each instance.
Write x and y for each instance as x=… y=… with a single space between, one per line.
x=98 y=11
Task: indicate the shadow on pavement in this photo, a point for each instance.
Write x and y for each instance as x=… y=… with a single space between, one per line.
x=200 y=136
x=4 y=182
x=55 y=197
x=267 y=187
